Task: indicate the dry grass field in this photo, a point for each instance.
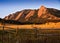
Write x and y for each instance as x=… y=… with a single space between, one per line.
x=42 y=33
x=39 y=26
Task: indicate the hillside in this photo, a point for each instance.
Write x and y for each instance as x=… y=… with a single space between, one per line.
x=36 y=16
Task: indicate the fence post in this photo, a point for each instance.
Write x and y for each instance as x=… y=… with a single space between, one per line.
x=8 y=38
x=3 y=34
x=17 y=37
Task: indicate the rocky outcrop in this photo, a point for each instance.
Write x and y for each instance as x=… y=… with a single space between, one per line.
x=42 y=10
x=36 y=15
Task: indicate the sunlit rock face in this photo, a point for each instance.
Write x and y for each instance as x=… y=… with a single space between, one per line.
x=48 y=13
x=42 y=10
x=35 y=15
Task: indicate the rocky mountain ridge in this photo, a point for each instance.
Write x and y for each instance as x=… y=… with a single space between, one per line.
x=40 y=15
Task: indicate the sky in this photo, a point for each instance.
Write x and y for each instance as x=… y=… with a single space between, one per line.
x=11 y=6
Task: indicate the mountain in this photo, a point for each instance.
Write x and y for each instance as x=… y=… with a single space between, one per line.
x=41 y=15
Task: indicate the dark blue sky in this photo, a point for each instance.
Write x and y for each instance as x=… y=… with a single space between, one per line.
x=11 y=6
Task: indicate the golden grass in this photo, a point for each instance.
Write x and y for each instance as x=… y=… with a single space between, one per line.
x=32 y=26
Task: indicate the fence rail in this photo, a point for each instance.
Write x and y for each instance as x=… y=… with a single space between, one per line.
x=35 y=35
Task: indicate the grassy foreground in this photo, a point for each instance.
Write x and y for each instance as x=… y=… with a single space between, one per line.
x=44 y=33
x=30 y=36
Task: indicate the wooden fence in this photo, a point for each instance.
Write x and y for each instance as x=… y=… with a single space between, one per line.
x=29 y=35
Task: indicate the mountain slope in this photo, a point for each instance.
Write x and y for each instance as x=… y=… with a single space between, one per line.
x=40 y=15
